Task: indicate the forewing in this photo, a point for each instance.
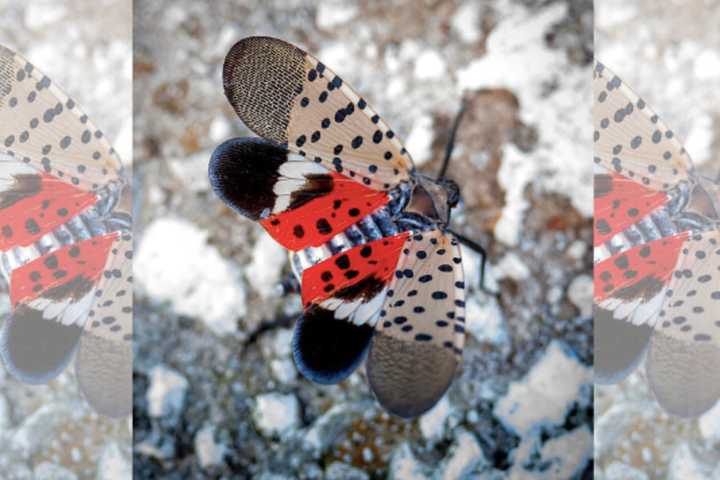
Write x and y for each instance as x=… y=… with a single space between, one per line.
x=629 y=137
x=42 y=126
x=421 y=330
x=693 y=298
x=300 y=203
x=104 y=360
x=286 y=95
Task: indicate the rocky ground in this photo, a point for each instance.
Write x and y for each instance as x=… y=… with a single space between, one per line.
x=49 y=432
x=670 y=56
x=216 y=392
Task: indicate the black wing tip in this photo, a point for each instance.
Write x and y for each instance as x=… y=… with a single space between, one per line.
x=242 y=172
x=250 y=45
x=619 y=347
x=327 y=350
x=36 y=350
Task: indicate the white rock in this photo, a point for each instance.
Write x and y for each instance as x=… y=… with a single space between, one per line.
x=577 y=249
x=554 y=294
x=283 y=370
x=471 y=266
x=612 y=425
x=484 y=320
x=209 y=452
x=466 y=22
x=342 y=471
x=192 y=171
x=707 y=65
x=49 y=471
x=512 y=266
x=339 y=56
x=276 y=414
x=619 y=471
x=332 y=13
x=43 y=13
x=75 y=454
x=166 y=394
x=175 y=264
x=419 y=141
x=686 y=466
x=466 y=456
x=546 y=393
x=113 y=464
x=404 y=465
x=5 y=419
x=268 y=260
x=580 y=293
x=429 y=65
x=433 y=423
x=325 y=430
x=219 y=129
x=709 y=423
x=123 y=142
x=39 y=427
x=700 y=138
x=567 y=454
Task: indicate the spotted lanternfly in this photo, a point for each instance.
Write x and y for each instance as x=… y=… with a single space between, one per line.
x=657 y=252
x=65 y=248
x=380 y=271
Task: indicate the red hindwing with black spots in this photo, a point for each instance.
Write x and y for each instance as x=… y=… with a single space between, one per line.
x=71 y=271
x=620 y=203
x=323 y=217
x=34 y=204
x=361 y=272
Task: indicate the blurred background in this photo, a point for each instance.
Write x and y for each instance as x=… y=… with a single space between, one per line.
x=217 y=394
x=669 y=54
x=48 y=431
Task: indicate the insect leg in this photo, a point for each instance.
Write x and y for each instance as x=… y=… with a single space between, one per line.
x=289 y=285
x=477 y=248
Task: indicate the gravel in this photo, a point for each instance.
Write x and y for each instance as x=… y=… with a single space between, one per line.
x=523 y=68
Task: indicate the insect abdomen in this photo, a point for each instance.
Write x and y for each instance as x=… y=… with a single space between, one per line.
x=377 y=225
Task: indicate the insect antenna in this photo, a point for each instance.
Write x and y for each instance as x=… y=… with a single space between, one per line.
x=451 y=141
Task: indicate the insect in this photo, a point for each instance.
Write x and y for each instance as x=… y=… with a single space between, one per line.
x=65 y=242
x=657 y=253
x=380 y=270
